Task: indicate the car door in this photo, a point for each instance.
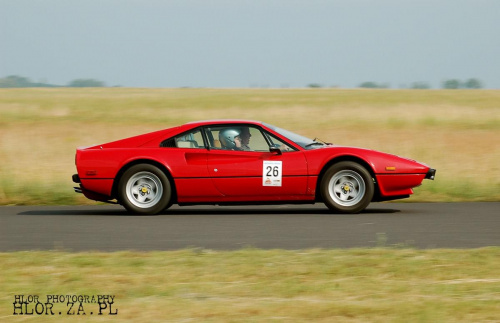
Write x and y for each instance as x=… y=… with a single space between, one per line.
x=187 y=160
x=254 y=173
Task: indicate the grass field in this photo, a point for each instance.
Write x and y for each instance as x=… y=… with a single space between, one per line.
x=455 y=131
x=376 y=285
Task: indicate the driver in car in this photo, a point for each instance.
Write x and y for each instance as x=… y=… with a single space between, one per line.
x=235 y=138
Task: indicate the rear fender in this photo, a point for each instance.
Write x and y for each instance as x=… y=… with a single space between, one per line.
x=144 y=161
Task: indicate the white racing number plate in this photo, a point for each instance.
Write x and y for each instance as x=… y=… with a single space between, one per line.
x=271 y=173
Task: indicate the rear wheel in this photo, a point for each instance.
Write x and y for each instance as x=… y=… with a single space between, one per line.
x=347 y=187
x=144 y=189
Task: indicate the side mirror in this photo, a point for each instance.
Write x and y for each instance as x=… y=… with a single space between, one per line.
x=275 y=150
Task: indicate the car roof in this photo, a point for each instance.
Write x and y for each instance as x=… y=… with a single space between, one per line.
x=223 y=121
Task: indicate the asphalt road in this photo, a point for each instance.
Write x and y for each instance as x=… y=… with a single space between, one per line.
x=110 y=228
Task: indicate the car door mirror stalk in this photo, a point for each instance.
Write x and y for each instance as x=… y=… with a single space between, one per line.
x=275 y=150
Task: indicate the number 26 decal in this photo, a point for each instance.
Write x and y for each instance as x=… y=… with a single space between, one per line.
x=272 y=173
x=274 y=170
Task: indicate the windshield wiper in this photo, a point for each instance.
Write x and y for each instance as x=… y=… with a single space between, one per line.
x=315 y=142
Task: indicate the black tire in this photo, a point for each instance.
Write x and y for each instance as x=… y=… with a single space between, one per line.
x=144 y=189
x=347 y=187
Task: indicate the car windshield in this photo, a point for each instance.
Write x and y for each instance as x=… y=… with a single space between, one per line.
x=302 y=141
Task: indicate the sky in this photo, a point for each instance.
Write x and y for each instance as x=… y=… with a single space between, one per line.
x=254 y=43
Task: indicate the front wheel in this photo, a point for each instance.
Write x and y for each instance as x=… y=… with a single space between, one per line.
x=144 y=189
x=347 y=187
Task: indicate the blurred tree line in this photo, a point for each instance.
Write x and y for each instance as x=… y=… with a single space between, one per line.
x=86 y=83
x=471 y=83
x=15 y=81
x=374 y=85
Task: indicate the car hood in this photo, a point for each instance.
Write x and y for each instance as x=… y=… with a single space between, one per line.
x=381 y=163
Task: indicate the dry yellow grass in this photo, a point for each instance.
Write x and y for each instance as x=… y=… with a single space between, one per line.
x=357 y=285
x=457 y=132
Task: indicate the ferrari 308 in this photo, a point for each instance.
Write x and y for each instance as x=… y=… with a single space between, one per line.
x=240 y=162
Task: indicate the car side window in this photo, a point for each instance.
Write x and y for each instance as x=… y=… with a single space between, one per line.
x=190 y=139
x=278 y=143
x=237 y=137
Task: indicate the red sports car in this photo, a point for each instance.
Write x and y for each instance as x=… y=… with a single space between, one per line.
x=240 y=162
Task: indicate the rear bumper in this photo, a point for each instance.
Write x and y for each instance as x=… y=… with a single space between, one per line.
x=94 y=189
x=431 y=174
x=76 y=178
x=91 y=195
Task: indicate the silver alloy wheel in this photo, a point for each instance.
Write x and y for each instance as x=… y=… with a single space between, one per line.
x=346 y=188
x=144 y=189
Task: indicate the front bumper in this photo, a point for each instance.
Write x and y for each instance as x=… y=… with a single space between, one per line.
x=431 y=174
